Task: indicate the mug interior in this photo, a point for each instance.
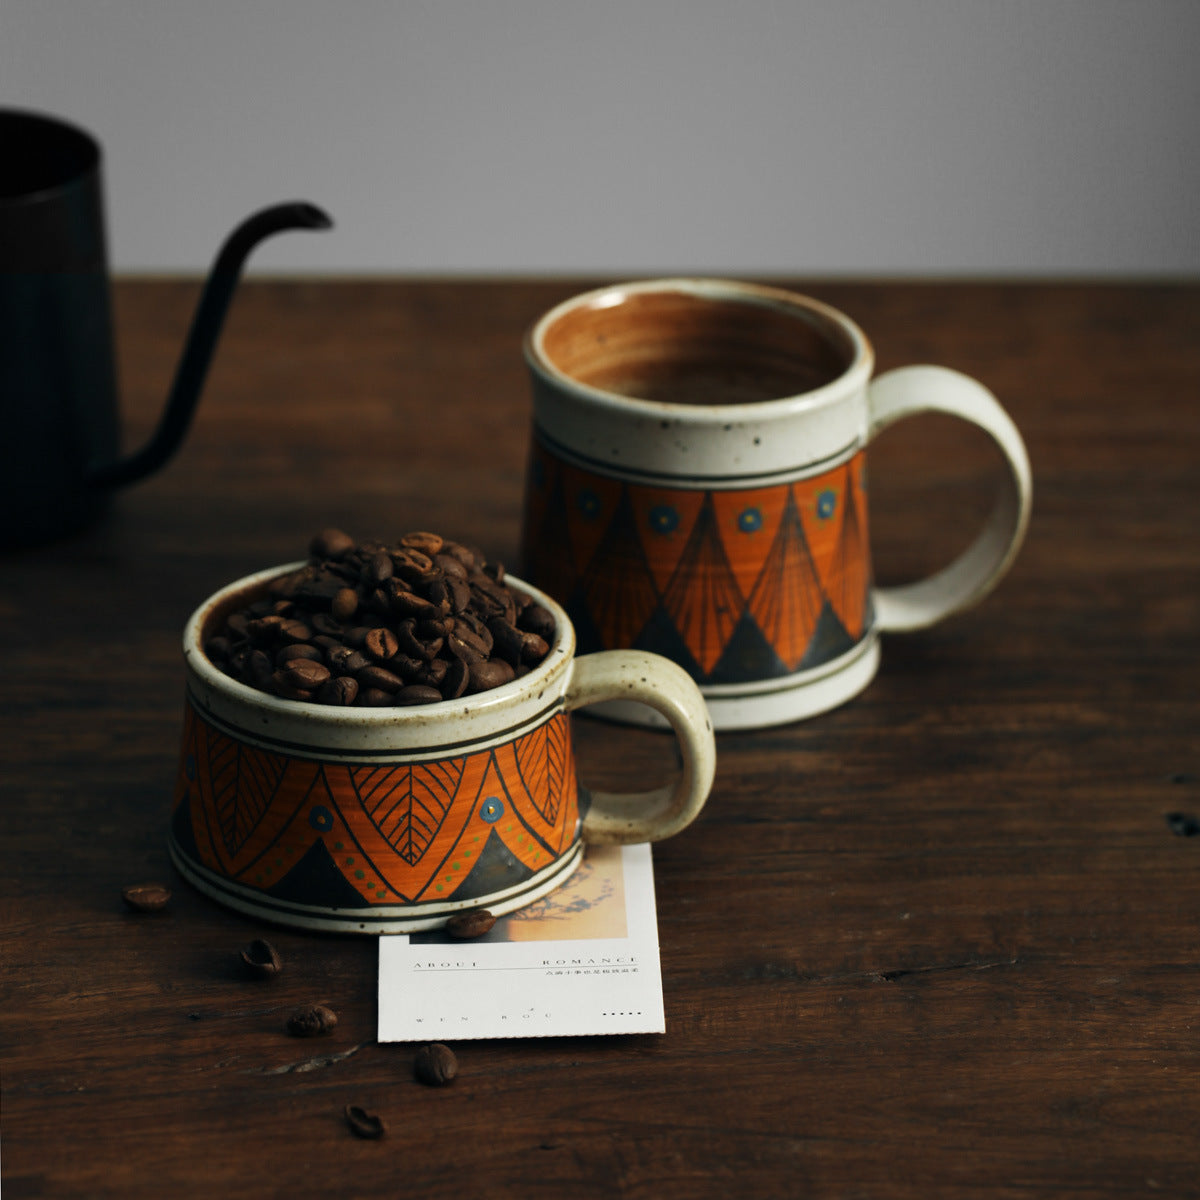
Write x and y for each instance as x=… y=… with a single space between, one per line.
x=380 y=726
x=691 y=345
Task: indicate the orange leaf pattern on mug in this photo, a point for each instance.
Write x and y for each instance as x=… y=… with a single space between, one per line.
x=735 y=584
x=357 y=835
x=408 y=804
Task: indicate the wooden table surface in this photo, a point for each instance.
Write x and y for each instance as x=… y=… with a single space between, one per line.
x=943 y=941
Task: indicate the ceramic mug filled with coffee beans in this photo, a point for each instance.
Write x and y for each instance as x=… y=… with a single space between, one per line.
x=377 y=739
x=696 y=488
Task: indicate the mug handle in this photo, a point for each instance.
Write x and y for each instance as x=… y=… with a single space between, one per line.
x=904 y=393
x=618 y=818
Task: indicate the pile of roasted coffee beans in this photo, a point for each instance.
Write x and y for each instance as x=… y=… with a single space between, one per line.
x=363 y=623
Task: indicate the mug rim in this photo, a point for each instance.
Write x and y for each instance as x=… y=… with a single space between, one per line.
x=401 y=724
x=856 y=374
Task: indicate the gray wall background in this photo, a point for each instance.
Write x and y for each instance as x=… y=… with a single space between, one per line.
x=620 y=137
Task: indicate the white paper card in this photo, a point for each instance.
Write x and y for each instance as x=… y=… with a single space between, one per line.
x=583 y=960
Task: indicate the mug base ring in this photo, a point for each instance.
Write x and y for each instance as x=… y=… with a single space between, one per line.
x=375 y=919
x=767 y=703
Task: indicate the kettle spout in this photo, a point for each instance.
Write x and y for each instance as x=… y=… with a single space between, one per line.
x=202 y=339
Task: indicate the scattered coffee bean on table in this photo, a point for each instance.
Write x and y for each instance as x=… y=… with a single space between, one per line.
x=146 y=897
x=435 y=1064
x=312 y=1021
x=473 y=923
x=414 y=622
x=364 y=1124
x=261 y=959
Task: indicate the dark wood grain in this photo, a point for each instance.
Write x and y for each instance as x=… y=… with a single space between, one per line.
x=940 y=942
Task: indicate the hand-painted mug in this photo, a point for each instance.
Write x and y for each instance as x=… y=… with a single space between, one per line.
x=697 y=488
x=391 y=820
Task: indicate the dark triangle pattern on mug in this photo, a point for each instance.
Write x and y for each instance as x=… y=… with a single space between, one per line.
x=659 y=636
x=316 y=874
x=830 y=639
x=617 y=586
x=408 y=803
x=747 y=656
x=496 y=869
x=243 y=782
x=703 y=599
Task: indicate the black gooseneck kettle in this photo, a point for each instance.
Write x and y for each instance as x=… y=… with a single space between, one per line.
x=59 y=424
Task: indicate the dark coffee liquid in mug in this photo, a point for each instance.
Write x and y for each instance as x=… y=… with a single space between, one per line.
x=680 y=349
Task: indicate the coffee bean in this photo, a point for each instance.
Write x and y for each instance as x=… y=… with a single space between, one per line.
x=340 y=691
x=312 y=1021
x=412 y=566
x=259 y=669
x=299 y=650
x=302 y=673
x=459 y=593
x=292 y=630
x=537 y=619
x=411 y=645
x=265 y=629
x=471 y=924
x=346 y=661
x=380 y=569
x=429 y=544
x=469 y=556
x=533 y=650
x=491 y=674
x=407 y=667
x=432 y=673
x=477 y=625
x=507 y=640
x=435 y=1064
x=331 y=543
x=261 y=959
x=454 y=682
x=450 y=566
x=146 y=897
x=465 y=647
x=423 y=606
x=219 y=649
x=364 y=1124
x=375 y=676
x=381 y=644
x=409 y=604
x=344 y=603
x=327 y=623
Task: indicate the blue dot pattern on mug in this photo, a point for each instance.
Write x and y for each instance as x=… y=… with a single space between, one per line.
x=588 y=503
x=826 y=504
x=664 y=518
x=492 y=809
x=750 y=520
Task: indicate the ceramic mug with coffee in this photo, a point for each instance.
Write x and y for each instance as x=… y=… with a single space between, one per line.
x=393 y=818
x=696 y=488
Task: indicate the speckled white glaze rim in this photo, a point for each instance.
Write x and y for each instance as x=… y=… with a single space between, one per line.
x=715 y=446
x=320 y=731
